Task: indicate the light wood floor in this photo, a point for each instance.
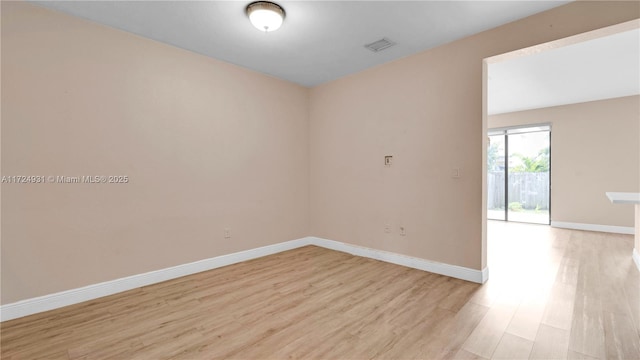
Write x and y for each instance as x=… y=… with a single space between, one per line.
x=552 y=294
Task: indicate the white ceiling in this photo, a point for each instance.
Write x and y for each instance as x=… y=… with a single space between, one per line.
x=602 y=68
x=319 y=41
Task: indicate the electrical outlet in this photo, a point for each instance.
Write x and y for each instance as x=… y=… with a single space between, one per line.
x=388 y=160
x=403 y=232
x=227 y=233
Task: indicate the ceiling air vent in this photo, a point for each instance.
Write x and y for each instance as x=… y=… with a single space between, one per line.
x=380 y=45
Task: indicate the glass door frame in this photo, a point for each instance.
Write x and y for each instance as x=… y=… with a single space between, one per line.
x=514 y=130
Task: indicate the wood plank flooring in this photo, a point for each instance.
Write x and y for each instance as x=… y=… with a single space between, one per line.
x=552 y=294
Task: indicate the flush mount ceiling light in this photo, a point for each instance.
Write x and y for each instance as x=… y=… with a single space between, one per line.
x=265 y=16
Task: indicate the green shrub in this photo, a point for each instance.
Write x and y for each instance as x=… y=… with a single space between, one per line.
x=515 y=206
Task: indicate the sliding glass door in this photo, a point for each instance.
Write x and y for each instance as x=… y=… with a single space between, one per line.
x=518 y=174
x=496 y=171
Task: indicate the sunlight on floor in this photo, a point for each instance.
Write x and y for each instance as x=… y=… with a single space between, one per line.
x=523 y=261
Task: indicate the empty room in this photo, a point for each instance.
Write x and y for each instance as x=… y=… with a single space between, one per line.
x=320 y=179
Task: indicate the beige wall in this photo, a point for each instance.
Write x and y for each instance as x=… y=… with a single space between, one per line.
x=595 y=148
x=206 y=145
x=426 y=111
x=637 y=232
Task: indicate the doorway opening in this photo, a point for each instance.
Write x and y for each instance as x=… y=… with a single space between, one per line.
x=556 y=81
x=519 y=174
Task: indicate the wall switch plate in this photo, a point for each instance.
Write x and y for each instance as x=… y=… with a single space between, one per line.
x=455 y=173
x=403 y=231
x=227 y=233
x=388 y=160
x=387 y=228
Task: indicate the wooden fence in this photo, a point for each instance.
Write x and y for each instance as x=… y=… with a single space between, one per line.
x=531 y=190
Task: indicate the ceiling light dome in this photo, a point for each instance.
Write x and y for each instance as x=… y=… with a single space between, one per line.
x=265 y=16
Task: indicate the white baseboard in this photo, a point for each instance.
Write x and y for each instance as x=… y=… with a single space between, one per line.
x=477 y=276
x=91 y=292
x=630 y=230
x=636 y=257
